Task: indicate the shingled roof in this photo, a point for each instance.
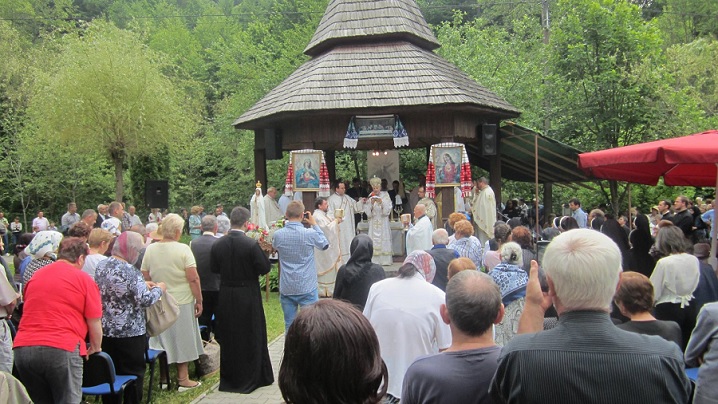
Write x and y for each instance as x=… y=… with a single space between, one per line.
x=350 y=21
x=373 y=55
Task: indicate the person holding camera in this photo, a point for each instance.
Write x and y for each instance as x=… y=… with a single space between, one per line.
x=295 y=243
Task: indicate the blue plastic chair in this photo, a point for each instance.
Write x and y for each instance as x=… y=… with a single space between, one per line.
x=152 y=356
x=99 y=378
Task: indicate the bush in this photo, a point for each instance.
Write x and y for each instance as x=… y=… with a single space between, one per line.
x=273 y=280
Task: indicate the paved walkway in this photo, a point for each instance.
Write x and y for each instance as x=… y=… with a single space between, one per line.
x=268 y=394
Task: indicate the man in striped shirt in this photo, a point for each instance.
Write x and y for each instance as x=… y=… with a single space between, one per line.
x=585 y=358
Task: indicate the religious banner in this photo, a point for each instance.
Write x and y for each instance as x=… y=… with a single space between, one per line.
x=448 y=167
x=375 y=127
x=307 y=171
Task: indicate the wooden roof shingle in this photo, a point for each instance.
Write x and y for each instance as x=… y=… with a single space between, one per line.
x=352 y=21
x=375 y=75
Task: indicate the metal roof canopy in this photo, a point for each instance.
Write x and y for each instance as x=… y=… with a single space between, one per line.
x=557 y=162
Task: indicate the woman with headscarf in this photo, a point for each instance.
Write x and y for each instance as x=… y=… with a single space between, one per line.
x=512 y=281
x=639 y=257
x=615 y=232
x=404 y=312
x=42 y=248
x=356 y=276
x=377 y=208
x=125 y=295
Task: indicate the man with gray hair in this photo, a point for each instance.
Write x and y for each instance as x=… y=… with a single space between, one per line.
x=442 y=256
x=201 y=248
x=585 y=358
x=464 y=371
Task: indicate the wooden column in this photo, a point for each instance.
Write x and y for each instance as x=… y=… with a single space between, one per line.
x=260 y=161
x=547 y=198
x=330 y=158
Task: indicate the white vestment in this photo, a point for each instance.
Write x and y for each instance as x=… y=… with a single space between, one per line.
x=418 y=237
x=430 y=210
x=327 y=261
x=459 y=204
x=256 y=207
x=284 y=202
x=347 y=227
x=379 y=230
x=483 y=208
x=272 y=210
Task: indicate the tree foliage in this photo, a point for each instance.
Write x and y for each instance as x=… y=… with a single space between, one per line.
x=107 y=94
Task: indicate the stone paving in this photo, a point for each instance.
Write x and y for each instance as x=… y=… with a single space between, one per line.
x=263 y=395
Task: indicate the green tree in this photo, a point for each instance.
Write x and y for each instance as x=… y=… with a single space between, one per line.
x=107 y=95
x=605 y=86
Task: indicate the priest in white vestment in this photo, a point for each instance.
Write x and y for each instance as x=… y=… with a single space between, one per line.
x=256 y=207
x=271 y=208
x=327 y=261
x=347 y=227
x=483 y=208
x=377 y=208
x=418 y=236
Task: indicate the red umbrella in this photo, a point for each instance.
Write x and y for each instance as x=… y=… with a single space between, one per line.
x=689 y=160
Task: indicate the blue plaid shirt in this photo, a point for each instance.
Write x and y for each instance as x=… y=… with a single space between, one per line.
x=295 y=245
x=469 y=247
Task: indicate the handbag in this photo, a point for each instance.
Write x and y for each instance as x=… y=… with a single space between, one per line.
x=209 y=360
x=162 y=315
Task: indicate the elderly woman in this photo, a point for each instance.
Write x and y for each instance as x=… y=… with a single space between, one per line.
x=312 y=372
x=172 y=262
x=98 y=241
x=449 y=226
x=42 y=249
x=377 y=208
x=125 y=295
x=460 y=264
x=512 y=281
x=522 y=236
x=634 y=298
x=356 y=276
x=195 y=222
x=674 y=279
x=62 y=305
x=502 y=231
x=404 y=312
x=465 y=243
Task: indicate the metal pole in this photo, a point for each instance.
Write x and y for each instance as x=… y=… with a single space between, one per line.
x=712 y=259
x=536 y=183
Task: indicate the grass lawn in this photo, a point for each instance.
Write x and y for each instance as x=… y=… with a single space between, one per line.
x=275 y=327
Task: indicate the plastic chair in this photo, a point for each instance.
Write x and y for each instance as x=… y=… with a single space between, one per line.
x=99 y=378
x=151 y=357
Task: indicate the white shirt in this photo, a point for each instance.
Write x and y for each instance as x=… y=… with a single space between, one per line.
x=405 y=316
x=418 y=237
x=675 y=278
x=41 y=223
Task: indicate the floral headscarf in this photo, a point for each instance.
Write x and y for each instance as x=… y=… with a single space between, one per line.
x=127 y=246
x=44 y=242
x=423 y=262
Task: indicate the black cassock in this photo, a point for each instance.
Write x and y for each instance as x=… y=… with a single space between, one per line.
x=241 y=326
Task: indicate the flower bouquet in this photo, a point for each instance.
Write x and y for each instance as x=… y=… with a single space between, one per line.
x=264 y=236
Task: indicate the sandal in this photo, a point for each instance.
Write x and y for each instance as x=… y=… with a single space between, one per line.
x=182 y=389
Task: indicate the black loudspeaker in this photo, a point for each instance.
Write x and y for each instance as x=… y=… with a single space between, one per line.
x=488 y=140
x=273 y=144
x=157 y=194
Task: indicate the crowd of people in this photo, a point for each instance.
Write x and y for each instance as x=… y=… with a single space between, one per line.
x=481 y=310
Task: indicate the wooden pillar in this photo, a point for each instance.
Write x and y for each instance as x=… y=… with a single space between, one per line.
x=330 y=158
x=495 y=176
x=547 y=198
x=260 y=161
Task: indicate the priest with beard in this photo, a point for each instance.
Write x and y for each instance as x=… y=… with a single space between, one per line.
x=346 y=229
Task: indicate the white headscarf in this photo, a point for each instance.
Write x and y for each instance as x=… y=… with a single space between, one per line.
x=44 y=242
